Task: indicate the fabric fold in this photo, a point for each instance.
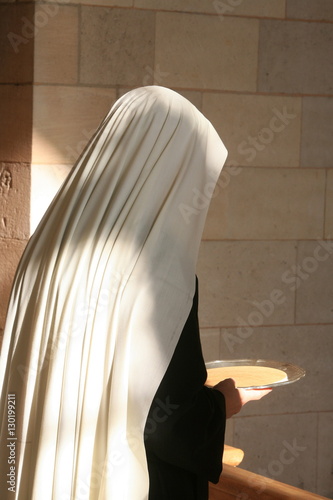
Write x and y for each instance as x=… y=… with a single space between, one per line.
x=100 y=298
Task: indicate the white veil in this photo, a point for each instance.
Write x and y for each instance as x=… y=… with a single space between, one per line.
x=100 y=298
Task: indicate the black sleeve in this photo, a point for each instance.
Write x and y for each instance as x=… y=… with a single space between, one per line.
x=186 y=422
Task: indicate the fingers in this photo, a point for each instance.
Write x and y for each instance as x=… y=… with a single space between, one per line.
x=235 y=398
x=247 y=395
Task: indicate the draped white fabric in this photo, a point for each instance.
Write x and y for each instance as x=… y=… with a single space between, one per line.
x=99 y=301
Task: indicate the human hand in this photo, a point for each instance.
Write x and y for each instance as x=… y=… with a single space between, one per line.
x=235 y=398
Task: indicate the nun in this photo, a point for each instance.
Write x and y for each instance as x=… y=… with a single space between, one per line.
x=102 y=378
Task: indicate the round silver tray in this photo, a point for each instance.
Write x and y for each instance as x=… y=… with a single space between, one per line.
x=293 y=372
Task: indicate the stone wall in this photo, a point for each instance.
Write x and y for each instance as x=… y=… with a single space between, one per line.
x=262 y=72
x=16 y=90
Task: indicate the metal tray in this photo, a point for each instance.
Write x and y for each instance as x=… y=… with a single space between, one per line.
x=293 y=372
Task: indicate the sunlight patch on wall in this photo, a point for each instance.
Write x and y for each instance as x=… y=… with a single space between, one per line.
x=45 y=182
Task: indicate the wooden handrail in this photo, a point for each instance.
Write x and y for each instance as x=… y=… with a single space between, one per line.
x=236 y=483
x=232 y=456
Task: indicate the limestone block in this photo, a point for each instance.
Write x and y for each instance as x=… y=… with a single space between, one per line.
x=210 y=342
x=117 y=46
x=204 y=53
x=10 y=254
x=45 y=182
x=241 y=283
x=16 y=43
x=14 y=200
x=262 y=131
x=309 y=346
x=272 y=203
x=320 y=10
x=254 y=8
x=65 y=118
x=295 y=57
x=313 y=282
x=329 y=206
x=56 y=57
x=281 y=447
x=325 y=477
x=317 y=131
x=229 y=432
x=15 y=122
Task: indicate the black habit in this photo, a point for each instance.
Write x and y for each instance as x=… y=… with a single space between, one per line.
x=184 y=432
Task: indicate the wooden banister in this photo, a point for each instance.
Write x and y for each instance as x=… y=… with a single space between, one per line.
x=232 y=456
x=236 y=483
